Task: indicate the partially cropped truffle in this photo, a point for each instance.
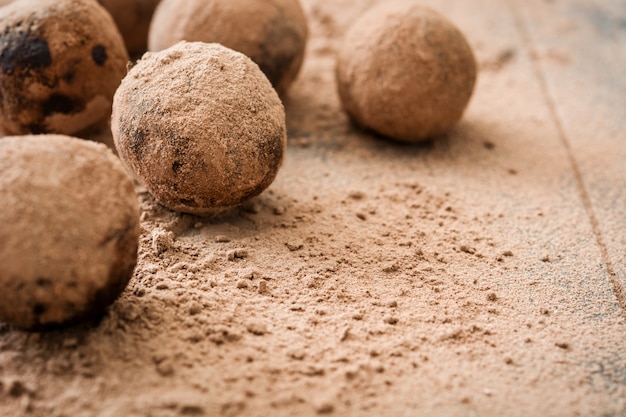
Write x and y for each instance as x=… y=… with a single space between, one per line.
x=405 y=71
x=70 y=229
x=133 y=20
x=200 y=126
x=60 y=63
x=271 y=32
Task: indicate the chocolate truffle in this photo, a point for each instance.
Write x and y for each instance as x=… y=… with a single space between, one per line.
x=405 y=71
x=70 y=229
x=133 y=20
x=200 y=126
x=60 y=63
x=271 y=32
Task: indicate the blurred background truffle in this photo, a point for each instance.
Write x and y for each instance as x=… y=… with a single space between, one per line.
x=271 y=32
x=405 y=71
x=133 y=20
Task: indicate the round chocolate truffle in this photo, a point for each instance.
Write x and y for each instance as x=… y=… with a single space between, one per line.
x=271 y=32
x=133 y=20
x=70 y=229
x=405 y=71
x=60 y=63
x=200 y=126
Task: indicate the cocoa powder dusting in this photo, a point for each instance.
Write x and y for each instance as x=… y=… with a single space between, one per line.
x=201 y=126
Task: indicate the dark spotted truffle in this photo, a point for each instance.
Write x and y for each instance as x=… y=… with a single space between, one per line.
x=60 y=63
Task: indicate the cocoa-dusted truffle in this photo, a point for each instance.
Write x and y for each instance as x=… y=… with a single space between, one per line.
x=60 y=63
x=200 y=125
x=271 y=32
x=133 y=20
x=70 y=229
x=405 y=71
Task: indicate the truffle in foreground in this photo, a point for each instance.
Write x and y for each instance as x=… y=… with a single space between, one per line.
x=200 y=126
x=405 y=71
x=70 y=229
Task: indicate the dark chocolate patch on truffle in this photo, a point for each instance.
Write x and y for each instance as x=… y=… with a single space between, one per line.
x=136 y=142
x=68 y=77
x=39 y=309
x=176 y=166
x=188 y=202
x=43 y=282
x=59 y=103
x=99 y=55
x=35 y=128
x=20 y=50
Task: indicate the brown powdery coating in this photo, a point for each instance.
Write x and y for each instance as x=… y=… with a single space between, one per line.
x=70 y=229
x=271 y=32
x=405 y=71
x=200 y=125
x=60 y=63
x=133 y=20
